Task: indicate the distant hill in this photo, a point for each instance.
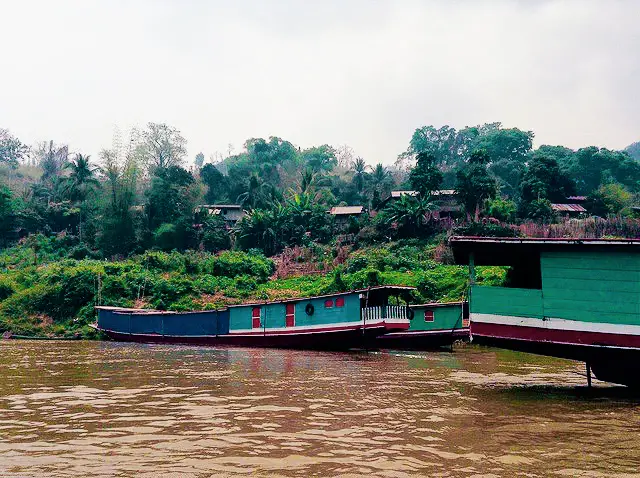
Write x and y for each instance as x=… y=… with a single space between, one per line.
x=634 y=150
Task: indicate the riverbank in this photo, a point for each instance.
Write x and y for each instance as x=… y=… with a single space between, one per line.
x=56 y=296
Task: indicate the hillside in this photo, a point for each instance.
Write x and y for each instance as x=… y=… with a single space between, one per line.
x=55 y=294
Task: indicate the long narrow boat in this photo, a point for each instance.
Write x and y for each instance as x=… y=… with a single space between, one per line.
x=337 y=321
x=431 y=326
x=571 y=298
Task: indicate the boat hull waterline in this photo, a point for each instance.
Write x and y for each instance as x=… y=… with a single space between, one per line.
x=326 y=338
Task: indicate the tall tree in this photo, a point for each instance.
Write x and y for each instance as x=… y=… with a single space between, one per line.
x=217 y=184
x=116 y=231
x=380 y=180
x=544 y=180
x=11 y=148
x=199 y=160
x=320 y=158
x=162 y=146
x=169 y=198
x=426 y=177
x=409 y=216
x=359 y=168
x=438 y=142
x=8 y=214
x=474 y=183
x=81 y=180
x=257 y=194
x=51 y=158
x=591 y=167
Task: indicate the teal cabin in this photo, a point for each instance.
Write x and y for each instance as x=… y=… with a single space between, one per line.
x=431 y=326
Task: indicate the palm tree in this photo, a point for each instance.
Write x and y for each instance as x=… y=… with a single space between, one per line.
x=80 y=183
x=380 y=180
x=260 y=228
x=256 y=193
x=410 y=214
x=52 y=160
x=359 y=173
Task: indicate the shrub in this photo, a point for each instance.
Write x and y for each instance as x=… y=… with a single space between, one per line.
x=502 y=209
x=7 y=288
x=166 y=237
x=79 y=252
x=214 y=240
x=163 y=261
x=236 y=263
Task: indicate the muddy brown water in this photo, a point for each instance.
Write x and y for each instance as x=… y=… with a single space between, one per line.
x=70 y=409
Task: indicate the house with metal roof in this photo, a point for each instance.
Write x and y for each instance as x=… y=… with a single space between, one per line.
x=344 y=214
x=231 y=213
x=568 y=209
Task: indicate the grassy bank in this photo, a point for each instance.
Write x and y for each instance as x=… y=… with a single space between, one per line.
x=45 y=291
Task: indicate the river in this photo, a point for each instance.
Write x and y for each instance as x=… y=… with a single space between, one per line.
x=70 y=409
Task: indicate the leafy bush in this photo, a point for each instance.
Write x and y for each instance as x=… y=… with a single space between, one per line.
x=236 y=263
x=7 y=288
x=166 y=237
x=163 y=261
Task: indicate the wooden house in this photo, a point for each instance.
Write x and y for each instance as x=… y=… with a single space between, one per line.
x=231 y=213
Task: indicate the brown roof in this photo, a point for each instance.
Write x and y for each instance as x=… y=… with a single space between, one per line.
x=346 y=210
x=444 y=192
x=397 y=194
x=568 y=208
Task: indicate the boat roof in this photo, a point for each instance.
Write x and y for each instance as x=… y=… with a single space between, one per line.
x=125 y=310
x=496 y=251
x=130 y=310
x=335 y=294
x=433 y=305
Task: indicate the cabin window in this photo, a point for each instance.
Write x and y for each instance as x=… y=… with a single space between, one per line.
x=290 y=315
x=340 y=302
x=328 y=304
x=428 y=315
x=255 y=318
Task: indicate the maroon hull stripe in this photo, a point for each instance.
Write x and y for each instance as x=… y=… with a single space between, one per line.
x=425 y=333
x=536 y=334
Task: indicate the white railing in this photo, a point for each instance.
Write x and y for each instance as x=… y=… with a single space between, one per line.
x=384 y=312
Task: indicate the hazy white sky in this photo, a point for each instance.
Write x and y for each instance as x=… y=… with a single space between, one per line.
x=361 y=72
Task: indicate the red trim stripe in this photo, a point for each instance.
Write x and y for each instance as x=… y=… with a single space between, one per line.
x=570 y=337
x=301 y=330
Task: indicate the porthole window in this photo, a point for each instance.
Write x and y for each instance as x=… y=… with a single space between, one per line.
x=328 y=304
x=340 y=302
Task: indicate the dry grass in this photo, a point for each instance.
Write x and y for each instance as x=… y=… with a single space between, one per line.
x=589 y=228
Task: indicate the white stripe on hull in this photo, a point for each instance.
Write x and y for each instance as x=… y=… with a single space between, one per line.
x=311 y=328
x=556 y=324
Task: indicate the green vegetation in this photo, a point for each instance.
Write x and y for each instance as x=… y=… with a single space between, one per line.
x=125 y=227
x=57 y=296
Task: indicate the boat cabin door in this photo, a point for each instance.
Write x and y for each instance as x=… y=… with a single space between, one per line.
x=290 y=315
